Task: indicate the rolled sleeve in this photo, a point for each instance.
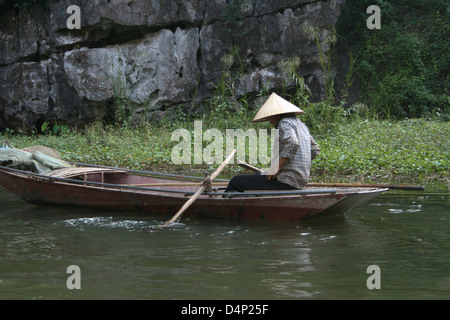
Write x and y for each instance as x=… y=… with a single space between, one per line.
x=315 y=149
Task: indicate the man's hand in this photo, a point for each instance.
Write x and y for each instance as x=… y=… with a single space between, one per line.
x=272 y=172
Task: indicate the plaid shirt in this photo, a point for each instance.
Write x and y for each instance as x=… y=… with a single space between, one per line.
x=296 y=144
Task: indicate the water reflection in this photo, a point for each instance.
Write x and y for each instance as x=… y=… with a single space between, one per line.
x=405 y=234
x=290 y=288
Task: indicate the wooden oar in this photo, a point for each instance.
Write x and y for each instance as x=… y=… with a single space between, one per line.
x=367 y=185
x=247 y=166
x=177 y=216
x=351 y=185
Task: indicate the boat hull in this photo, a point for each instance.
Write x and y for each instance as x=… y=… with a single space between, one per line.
x=113 y=191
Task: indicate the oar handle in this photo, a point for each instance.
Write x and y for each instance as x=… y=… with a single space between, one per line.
x=248 y=166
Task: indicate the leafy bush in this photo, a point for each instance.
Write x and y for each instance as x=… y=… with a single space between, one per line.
x=403 y=67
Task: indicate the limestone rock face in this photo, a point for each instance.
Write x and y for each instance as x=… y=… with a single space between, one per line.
x=23 y=93
x=157 y=54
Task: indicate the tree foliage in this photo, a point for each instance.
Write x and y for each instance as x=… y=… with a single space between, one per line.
x=403 y=67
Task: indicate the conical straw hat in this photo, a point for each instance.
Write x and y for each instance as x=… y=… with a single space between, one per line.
x=273 y=106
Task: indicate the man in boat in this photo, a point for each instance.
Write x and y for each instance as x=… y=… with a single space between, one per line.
x=296 y=149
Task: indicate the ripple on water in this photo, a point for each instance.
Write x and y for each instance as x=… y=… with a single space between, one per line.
x=105 y=222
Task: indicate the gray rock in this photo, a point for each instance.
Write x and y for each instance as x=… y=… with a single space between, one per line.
x=94 y=73
x=156 y=54
x=23 y=94
x=163 y=62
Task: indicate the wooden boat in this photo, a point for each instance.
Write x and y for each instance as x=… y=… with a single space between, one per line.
x=162 y=195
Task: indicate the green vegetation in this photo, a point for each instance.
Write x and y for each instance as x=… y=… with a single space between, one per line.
x=404 y=66
x=393 y=150
x=409 y=150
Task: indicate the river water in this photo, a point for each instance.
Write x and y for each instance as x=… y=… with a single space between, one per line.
x=405 y=234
